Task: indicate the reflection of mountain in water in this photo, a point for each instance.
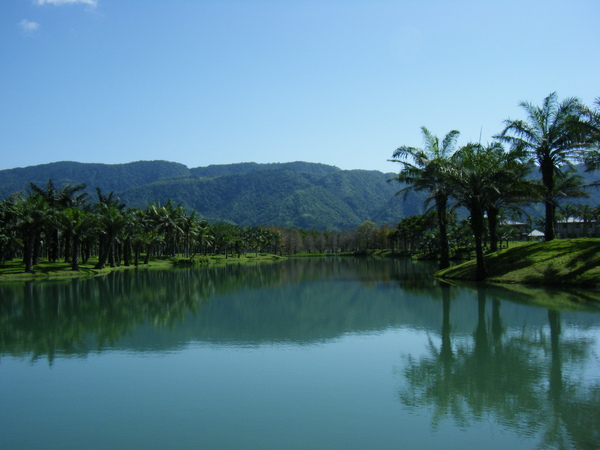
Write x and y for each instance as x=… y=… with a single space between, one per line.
x=296 y=301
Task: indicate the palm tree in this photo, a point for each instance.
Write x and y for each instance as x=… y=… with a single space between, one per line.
x=483 y=178
x=111 y=220
x=425 y=170
x=7 y=236
x=555 y=134
x=471 y=177
x=76 y=222
x=58 y=200
x=203 y=236
x=513 y=191
x=31 y=215
x=168 y=219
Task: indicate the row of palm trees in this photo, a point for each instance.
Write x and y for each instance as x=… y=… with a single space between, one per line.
x=61 y=223
x=487 y=179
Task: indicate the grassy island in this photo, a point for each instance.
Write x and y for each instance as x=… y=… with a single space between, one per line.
x=560 y=262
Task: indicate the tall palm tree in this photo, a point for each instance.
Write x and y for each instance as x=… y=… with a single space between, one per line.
x=167 y=219
x=515 y=190
x=424 y=169
x=555 y=134
x=58 y=200
x=111 y=220
x=478 y=176
x=31 y=215
x=76 y=222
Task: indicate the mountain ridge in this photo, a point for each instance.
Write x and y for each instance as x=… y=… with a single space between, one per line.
x=295 y=194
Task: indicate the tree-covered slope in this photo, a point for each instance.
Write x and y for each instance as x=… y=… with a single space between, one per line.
x=217 y=170
x=297 y=194
x=286 y=195
x=109 y=177
x=263 y=197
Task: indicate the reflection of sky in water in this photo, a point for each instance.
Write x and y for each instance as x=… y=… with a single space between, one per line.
x=336 y=394
x=587 y=370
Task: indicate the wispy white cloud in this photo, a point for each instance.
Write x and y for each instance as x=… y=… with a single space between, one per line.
x=66 y=2
x=29 y=26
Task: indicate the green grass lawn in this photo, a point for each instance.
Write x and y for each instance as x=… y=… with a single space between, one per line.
x=559 y=262
x=15 y=270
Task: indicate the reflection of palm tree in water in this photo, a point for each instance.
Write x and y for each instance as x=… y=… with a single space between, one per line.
x=555 y=432
x=446 y=354
x=505 y=377
x=556 y=382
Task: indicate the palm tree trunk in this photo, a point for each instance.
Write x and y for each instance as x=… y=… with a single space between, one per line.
x=75 y=249
x=547 y=169
x=68 y=242
x=441 y=202
x=53 y=246
x=36 y=248
x=127 y=252
x=136 y=254
x=105 y=250
x=28 y=252
x=493 y=228
x=477 y=226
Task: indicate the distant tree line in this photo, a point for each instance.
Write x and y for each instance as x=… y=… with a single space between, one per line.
x=62 y=224
x=489 y=181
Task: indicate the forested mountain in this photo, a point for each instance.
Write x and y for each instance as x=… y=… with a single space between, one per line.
x=284 y=197
x=296 y=194
x=216 y=170
x=109 y=177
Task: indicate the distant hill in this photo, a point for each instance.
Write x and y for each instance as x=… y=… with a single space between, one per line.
x=217 y=170
x=285 y=197
x=109 y=177
x=296 y=194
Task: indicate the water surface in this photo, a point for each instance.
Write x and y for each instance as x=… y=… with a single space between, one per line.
x=327 y=353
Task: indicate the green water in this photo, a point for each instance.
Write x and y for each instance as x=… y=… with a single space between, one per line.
x=332 y=353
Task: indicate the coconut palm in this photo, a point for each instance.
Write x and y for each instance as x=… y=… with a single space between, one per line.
x=555 y=134
x=424 y=169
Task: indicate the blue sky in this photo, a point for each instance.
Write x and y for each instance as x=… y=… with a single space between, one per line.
x=337 y=82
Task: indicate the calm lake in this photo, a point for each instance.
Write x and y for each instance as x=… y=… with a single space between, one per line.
x=303 y=354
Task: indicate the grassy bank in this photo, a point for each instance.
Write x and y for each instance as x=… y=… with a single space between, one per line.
x=14 y=270
x=561 y=262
